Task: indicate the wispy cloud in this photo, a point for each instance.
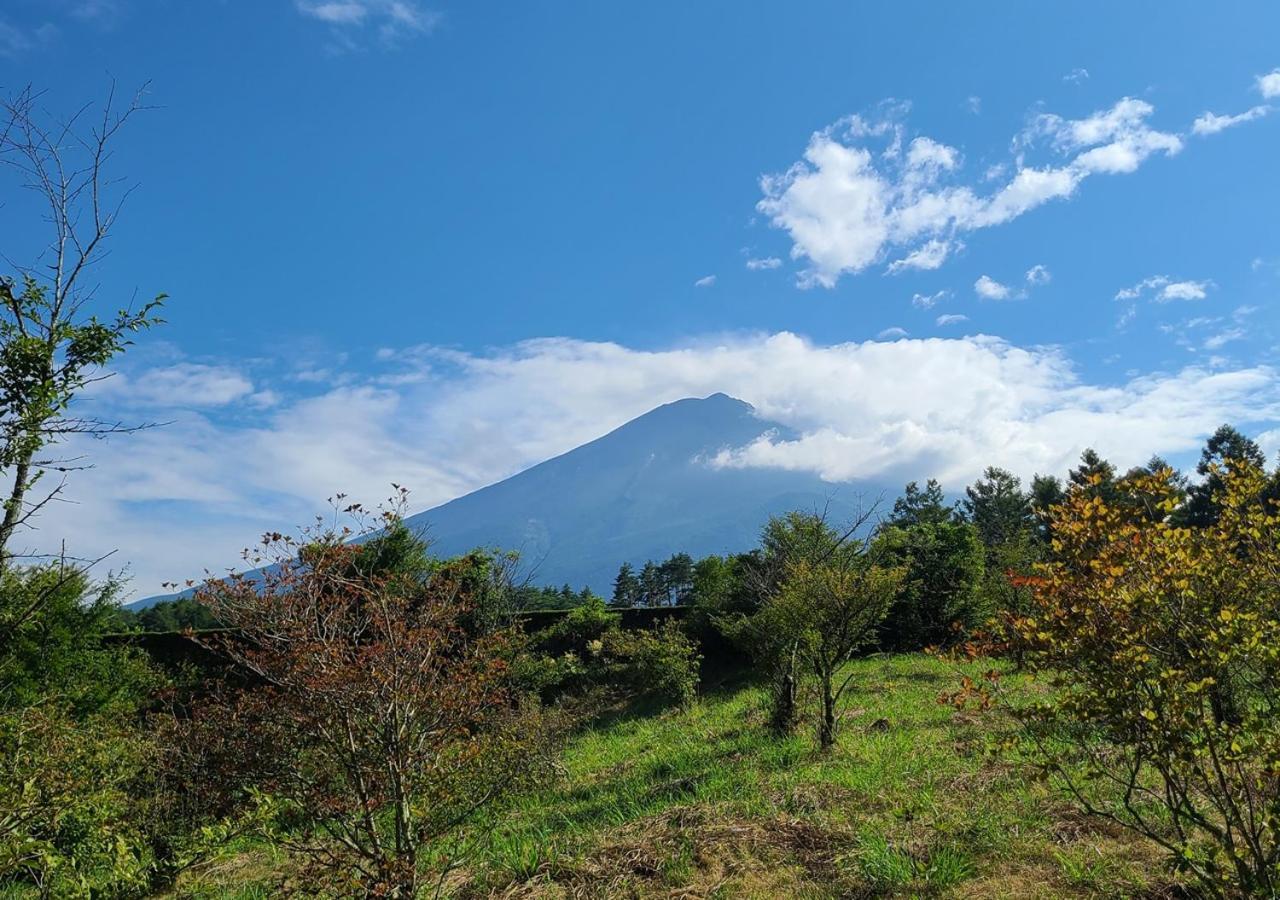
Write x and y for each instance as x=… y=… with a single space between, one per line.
x=950 y=319
x=16 y=41
x=931 y=255
x=763 y=263
x=705 y=281
x=892 y=334
x=1038 y=274
x=352 y=22
x=1076 y=76
x=928 y=301
x=865 y=188
x=1163 y=289
x=1211 y=123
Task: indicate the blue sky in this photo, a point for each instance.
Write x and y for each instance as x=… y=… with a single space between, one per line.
x=436 y=243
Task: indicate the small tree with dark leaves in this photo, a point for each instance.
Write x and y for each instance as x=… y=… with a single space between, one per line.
x=392 y=718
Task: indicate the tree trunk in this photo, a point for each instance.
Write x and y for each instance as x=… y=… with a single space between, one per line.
x=13 y=509
x=827 y=730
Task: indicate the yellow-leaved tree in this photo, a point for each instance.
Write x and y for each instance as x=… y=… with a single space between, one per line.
x=1160 y=648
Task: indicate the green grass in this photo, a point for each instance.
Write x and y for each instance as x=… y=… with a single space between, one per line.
x=704 y=802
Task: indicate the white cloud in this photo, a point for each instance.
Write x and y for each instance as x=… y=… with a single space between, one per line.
x=768 y=262
x=974 y=103
x=1183 y=290
x=1038 y=275
x=389 y=20
x=1211 y=123
x=928 y=301
x=179 y=498
x=1075 y=76
x=863 y=190
x=190 y=385
x=1222 y=338
x=1166 y=290
x=890 y=334
x=705 y=281
x=988 y=288
x=951 y=319
x=1269 y=84
x=929 y=256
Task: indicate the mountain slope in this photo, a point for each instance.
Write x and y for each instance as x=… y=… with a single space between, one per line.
x=643 y=491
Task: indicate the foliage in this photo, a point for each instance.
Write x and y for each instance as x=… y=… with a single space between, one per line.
x=166 y=615
x=830 y=600
x=669 y=583
x=588 y=650
x=1161 y=644
x=920 y=506
x=1204 y=499
x=528 y=598
x=941 y=596
x=660 y=663
x=70 y=823
x=70 y=745
x=387 y=698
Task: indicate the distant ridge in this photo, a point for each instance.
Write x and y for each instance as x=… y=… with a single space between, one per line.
x=643 y=491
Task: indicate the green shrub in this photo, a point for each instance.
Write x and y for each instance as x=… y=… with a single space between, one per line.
x=661 y=664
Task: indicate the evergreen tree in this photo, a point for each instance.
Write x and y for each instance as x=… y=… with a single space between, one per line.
x=626 y=587
x=1094 y=475
x=1227 y=445
x=920 y=506
x=998 y=507
x=653 y=588
x=677 y=574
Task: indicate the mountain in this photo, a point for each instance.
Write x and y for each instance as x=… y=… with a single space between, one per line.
x=643 y=491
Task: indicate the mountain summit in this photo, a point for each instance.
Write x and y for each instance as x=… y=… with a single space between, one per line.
x=643 y=491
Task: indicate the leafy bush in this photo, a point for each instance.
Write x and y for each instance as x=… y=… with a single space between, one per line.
x=71 y=749
x=660 y=664
x=1161 y=645
x=588 y=650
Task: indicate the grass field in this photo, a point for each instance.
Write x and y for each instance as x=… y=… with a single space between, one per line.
x=704 y=802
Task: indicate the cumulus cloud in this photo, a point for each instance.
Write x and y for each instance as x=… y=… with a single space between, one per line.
x=988 y=288
x=705 y=281
x=1163 y=289
x=763 y=263
x=865 y=189
x=187 y=496
x=389 y=20
x=1211 y=123
x=1269 y=84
